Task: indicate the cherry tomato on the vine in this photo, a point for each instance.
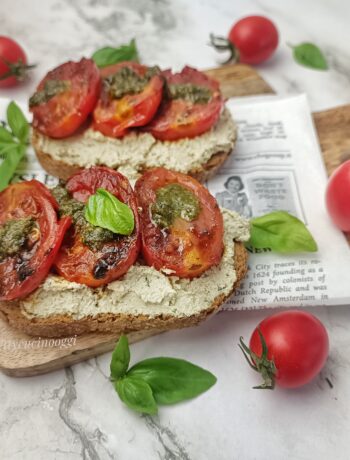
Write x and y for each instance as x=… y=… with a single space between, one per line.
x=251 y=40
x=288 y=348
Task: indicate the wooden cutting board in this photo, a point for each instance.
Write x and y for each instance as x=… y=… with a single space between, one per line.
x=21 y=355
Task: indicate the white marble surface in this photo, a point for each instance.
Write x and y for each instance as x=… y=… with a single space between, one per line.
x=74 y=413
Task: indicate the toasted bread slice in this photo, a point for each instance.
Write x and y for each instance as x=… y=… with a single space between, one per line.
x=132 y=155
x=143 y=299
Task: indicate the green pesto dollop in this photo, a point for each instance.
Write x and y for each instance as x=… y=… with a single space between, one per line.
x=174 y=201
x=51 y=89
x=13 y=236
x=127 y=81
x=192 y=93
x=92 y=236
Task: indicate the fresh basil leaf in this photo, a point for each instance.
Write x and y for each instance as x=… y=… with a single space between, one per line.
x=6 y=147
x=136 y=394
x=109 y=55
x=105 y=210
x=309 y=55
x=9 y=165
x=120 y=358
x=281 y=232
x=5 y=136
x=17 y=122
x=172 y=380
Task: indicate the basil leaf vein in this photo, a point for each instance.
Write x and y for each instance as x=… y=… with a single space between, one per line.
x=17 y=122
x=137 y=395
x=105 y=210
x=120 y=358
x=281 y=232
x=173 y=380
x=14 y=137
x=13 y=155
x=108 y=55
x=5 y=136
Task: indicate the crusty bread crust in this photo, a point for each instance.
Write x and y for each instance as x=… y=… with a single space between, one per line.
x=64 y=325
x=62 y=170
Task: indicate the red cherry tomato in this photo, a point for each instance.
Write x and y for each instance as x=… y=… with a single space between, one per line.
x=13 y=62
x=251 y=40
x=338 y=196
x=22 y=272
x=296 y=348
x=65 y=97
x=256 y=38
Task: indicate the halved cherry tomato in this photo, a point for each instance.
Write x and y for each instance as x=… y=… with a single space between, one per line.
x=21 y=273
x=187 y=247
x=114 y=116
x=179 y=118
x=65 y=97
x=76 y=261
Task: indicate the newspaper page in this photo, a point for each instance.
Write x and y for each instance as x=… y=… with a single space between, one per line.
x=276 y=165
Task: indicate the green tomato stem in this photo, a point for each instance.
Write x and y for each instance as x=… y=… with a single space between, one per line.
x=261 y=364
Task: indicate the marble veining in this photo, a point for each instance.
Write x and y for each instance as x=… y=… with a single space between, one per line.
x=75 y=413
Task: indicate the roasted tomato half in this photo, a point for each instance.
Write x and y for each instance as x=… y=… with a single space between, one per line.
x=30 y=237
x=65 y=97
x=91 y=255
x=181 y=223
x=191 y=107
x=131 y=94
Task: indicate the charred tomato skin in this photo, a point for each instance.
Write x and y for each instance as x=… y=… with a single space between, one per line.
x=113 y=117
x=180 y=118
x=77 y=262
x=22 y=273
x=61 y=115
x=187 y=248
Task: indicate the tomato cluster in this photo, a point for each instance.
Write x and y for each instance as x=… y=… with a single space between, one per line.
x=58 y=243
x=75 y=92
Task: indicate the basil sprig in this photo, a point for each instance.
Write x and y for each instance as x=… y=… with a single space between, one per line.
x=309 y=55
x=14 y=136
x=109 y=55
x=156 y=381
x=105 y=210
x=281 y=232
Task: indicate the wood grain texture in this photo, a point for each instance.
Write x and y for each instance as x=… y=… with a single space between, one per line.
x=239 y=80
x=18 y=359
x=22 y=355
x=333 y=129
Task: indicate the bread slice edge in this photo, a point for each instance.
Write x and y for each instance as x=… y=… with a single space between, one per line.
x=64 y=171
x=134 y=155
x=65 y=325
